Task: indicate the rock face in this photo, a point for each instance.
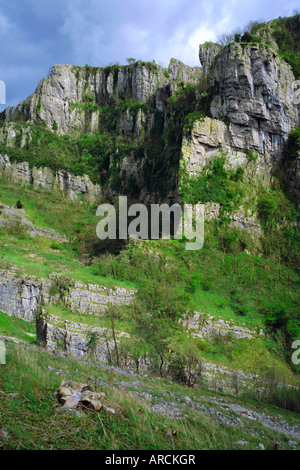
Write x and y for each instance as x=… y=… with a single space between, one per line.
x=91 y=298
x=70 y=185
x=252 y=111
x=61 y=100
x=83 y=341
x=202 y=325
x=210 y=138
x=20 y=296
x=129 y=102
x=255 y=93
x=77 y=339
x=23 y=296
x=266 y=34
x=207 y=54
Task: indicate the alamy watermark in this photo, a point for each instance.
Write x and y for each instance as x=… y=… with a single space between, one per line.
x=296 y=94
x=160 y=221
x=296 y=354
x=2 y=353
x=2 y=92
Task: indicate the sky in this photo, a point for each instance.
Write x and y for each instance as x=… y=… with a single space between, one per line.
x=36 y=34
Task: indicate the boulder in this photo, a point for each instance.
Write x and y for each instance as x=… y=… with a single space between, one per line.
x=92 y=400
x=71 y=389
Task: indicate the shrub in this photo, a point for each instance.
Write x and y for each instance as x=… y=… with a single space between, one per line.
x=281 y=320
x=56 y=246
x=191 y=118
x=130 y=61
x=252 y=156
x=272 y=389
x=16 y=230
x=246 y=37
x=61 y=286
x=214 y=184
x=92 y=340
x=293 y=145
x=185 y=368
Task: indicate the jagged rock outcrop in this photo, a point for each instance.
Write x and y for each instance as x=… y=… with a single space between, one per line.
x=202 y=325
x=252 y=109
x=210 y=138
x=20 y=296
x=241 y=219
x=266 y=34
x=44 y=178
x=14 y=217
x=23 y=296
x=92 y=298
x=62 y=100
x=255 y=94
x=129 y=102
x=207 y=54
x=75 y=338
x=83 y=341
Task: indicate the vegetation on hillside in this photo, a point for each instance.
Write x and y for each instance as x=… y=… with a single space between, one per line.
x=33 y=419
x=284 y=31
x=221 y=280
x=249 y=279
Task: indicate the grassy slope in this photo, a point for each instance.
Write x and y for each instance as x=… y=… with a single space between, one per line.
x=221 y=280
x=286 y=32
x=230 y=286
x=34 y=420
x=52 y=212
x=17 y=328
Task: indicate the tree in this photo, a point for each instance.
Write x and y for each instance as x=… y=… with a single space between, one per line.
x=130 y=61
x=112 y=315
x=246 y=37
x=225 y=39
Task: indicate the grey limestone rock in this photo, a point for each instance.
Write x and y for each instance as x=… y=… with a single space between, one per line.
x=207 y=54
x=44 y=178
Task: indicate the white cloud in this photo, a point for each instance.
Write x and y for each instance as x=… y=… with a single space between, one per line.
x=38 y=34
x=104 y=32
x=5 y=25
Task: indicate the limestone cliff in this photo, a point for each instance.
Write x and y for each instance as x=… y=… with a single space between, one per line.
x=72 y=98
x=255 y=94
x=248 y=104
x=251 y=109
x=207 y=54
x=45 y=178
x=23 y=296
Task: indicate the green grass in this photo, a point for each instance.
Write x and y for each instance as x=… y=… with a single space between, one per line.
x=54 y=212
x=30 y=414
x=16 y=327
x=218 y=280
x=85 y=154
x=217 y=305
x=49 y=210
x=62 y=314
x=47 y=426
x=16 y=252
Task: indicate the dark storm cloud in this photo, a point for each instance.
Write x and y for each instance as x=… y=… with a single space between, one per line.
x=35 y=34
